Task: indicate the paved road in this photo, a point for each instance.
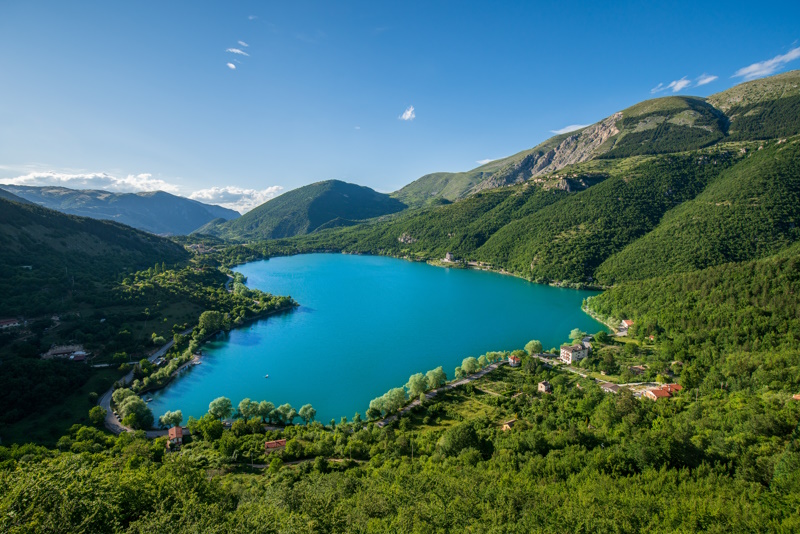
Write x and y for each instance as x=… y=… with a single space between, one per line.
x=432 y=393
x=111 y=421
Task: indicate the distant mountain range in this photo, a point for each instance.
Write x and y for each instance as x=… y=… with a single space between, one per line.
x=306 y=209
x=156 y=212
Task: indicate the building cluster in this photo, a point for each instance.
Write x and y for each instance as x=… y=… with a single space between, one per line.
x=9 y=323
x=73 y=353
x=664 y=391
x=200 y=248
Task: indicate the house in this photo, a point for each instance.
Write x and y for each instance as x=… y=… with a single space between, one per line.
x=272 y=446
x=449 y=257
x=508 y=424
x=514 y=361
x=64 y=352
x=608 y=387
x=623 y=327
x=545 y=387
x=637 y=369
x=796 y=396
x=8 y=323
x=78 y=356
x=174 y=437
x=657 y=393
x=573 y=354
x=671 y=388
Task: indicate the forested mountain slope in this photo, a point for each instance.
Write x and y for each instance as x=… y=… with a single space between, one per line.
x=156 y=212
x=331 y=203
x=49 y=258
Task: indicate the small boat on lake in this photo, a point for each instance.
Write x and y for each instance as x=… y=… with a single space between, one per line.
x=149 y=399
x=266 y=376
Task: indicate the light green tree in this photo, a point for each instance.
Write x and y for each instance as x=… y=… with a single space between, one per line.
x=248 y=408
x=97 y=415
x=533 y=346
x=482 y=362
x=470 y=365
x=264 y=410
x=220 y=408
x=576 y=334
x=307 y=413
x=416 y=385
x=436 y=377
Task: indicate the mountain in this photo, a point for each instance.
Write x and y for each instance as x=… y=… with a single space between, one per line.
x=761 y=109
x=50 y=258
x=301 y=211
x=12 y=197
x=156 y=212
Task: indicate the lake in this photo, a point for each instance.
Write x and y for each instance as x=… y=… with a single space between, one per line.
x=364 y=325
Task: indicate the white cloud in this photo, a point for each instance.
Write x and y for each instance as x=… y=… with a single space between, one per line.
x=252 y=17
x=484 y=161
x=231 y=66
x=236 y=198
x=570 y=128
x=95 y=180
x=242 y=43
x=408 y=114
x=358 y=127
x=765 y=68
x=705 y=78
x=237 y=51
x=675 y=85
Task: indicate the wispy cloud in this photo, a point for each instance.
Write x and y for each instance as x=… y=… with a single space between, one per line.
x=237 y=51
x=236 y=198
x=408 y=114
x=484 y=161
x=231 y=66
x=252 y=17
x=675 y=85
x=705 y=79
x=570 y=128
x=767 y=67
x=242 y=43
x=357 y=127
x=94 y=180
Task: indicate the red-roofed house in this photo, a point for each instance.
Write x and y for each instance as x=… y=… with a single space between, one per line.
x=671 y=388
x=8 y=323
x=655 y=394
x=513 y=361
x=271 y=446
x=175 y=435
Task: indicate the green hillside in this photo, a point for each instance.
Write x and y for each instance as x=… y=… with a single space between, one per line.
x=51 y=260
x=750 y=211
x=303 y=210
x=156 y=212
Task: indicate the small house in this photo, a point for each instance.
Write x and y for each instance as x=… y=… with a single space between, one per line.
x=276 y=445
x=637 y=369
x=796 y=396
x=508 y=425
x=449 y=257
x=623 y=327
x=545 y=387
x=175 y=437
x=671 y=388
x=514 y=361
x=657 y=393
x=9 y=323
x=573 y=353
x=608 y=387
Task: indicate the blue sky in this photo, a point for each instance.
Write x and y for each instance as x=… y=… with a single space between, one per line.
x=142 y=96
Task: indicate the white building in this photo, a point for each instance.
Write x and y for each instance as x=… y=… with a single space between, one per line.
x=573 y=354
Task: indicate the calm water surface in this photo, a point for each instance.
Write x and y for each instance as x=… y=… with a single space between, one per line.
x=366 y=324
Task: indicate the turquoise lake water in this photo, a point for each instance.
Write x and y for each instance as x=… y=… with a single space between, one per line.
x=364 y=325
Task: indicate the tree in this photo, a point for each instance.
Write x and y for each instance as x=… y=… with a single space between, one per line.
x=436 y=377
x=210 y=321
x=533 y=346
x=395 y=399
x=357 y=419
x=135 y=413
x=287 y=413
x=120 y=395
x=264 y=410
x=416 y=385
x=171 y=418
x=97 y=415
x=459 y=372
x=576 y=334
x=469 y=365
x=602 y=337
x=307 y=413
x=220 y=408
x=248 y=408
x=482 y=361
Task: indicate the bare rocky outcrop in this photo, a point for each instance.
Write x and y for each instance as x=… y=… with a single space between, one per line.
x=581 y=146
